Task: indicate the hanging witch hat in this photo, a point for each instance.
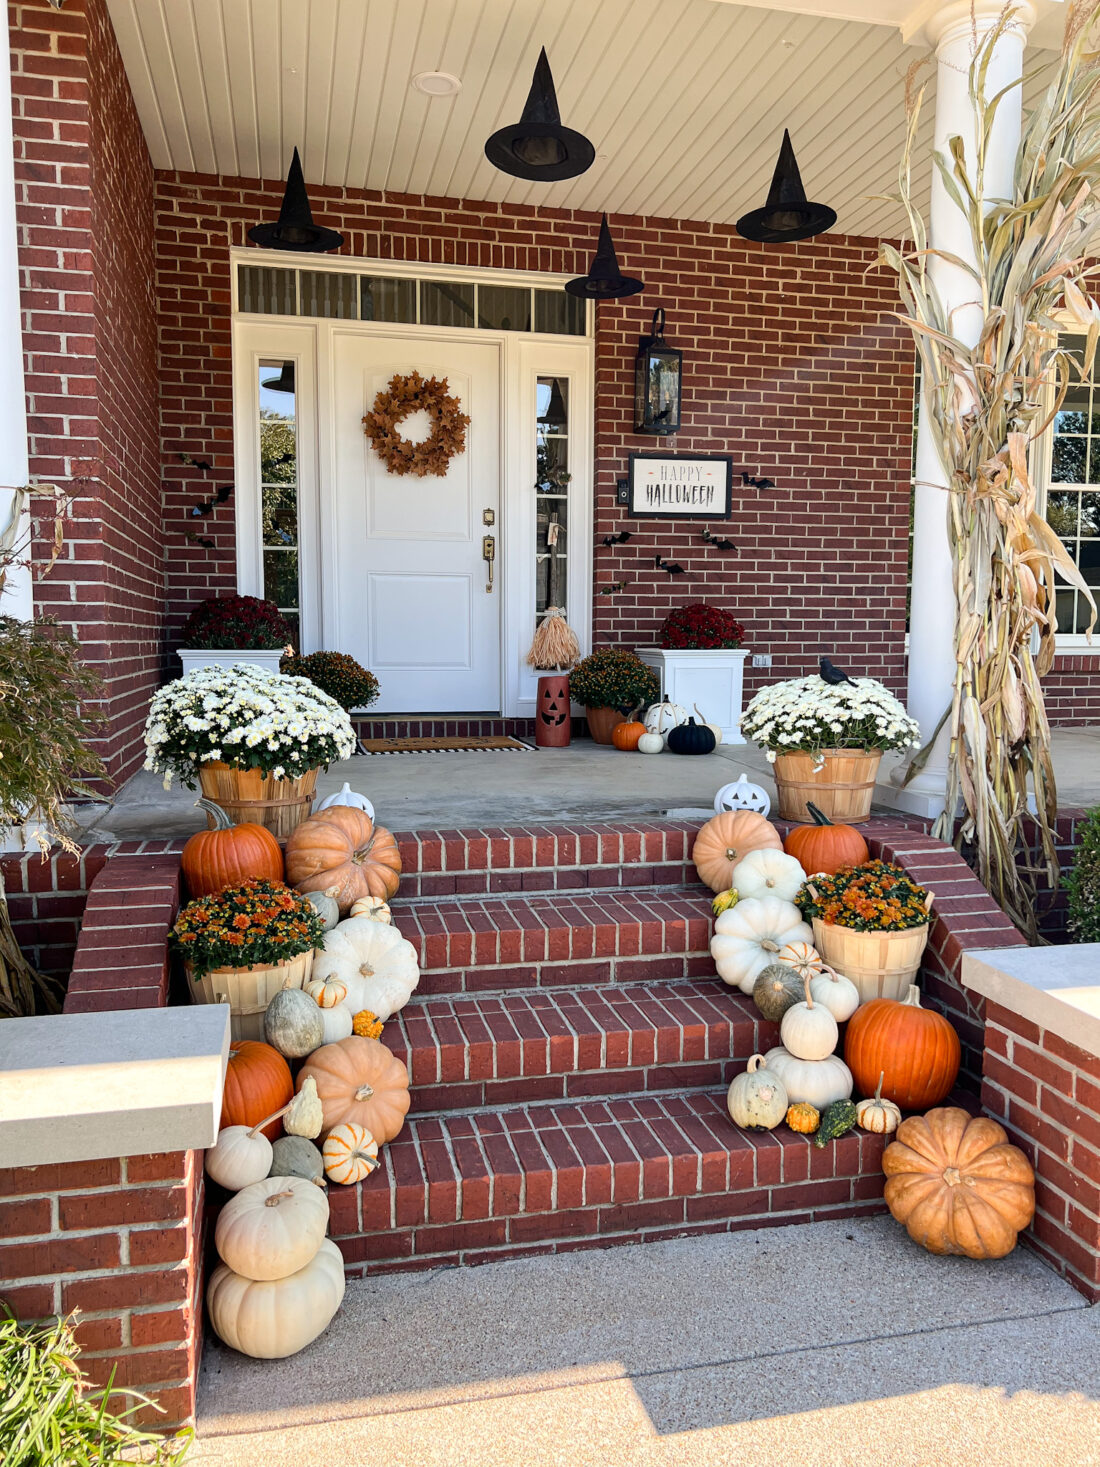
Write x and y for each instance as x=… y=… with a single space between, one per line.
x=604 y=281
x=295 y=229
x=787 y=215
x=537 y=146
x=284 y=382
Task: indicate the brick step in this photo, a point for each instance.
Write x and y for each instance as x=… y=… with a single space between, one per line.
x=441 y=863
x=499 y=1183
x=575 y=939
x=465 y=1053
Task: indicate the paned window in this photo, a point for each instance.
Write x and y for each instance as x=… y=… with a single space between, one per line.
x=1073 y=492
x=278 y=432
x=552 y=477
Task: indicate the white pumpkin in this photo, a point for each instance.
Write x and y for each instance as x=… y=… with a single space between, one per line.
x=819 y=1082
x=748 y=936
x=376 y=908
x=338 y=1022
x=808 y=1030
x=240 y=1156
x=272 y=1228
x=803 y=957
x=715 y=728
x=741 y=795
x=269 y=1320
x=326 y=993
x=664 y=716
x=836 y=993
x=757 y=1099
x=374 y=962
x=765 y=873
x=651 y=743
x=878 y=1115
x=346 y=796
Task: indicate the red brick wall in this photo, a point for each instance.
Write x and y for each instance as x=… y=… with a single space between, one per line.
x=85 y=214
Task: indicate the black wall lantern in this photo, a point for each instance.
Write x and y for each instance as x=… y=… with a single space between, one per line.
x=657 y=372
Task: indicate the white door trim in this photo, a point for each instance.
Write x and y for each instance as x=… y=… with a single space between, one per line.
x=524 y=357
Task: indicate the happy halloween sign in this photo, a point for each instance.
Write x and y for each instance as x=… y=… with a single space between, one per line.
x=680 y=486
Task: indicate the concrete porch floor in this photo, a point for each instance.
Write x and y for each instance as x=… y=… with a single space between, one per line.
x=586 y=782
x=839 y=1342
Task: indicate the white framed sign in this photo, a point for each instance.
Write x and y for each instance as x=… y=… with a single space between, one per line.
x=680 y=486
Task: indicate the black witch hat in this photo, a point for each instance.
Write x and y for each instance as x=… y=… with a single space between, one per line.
x=537 y=146
x=604 y=281
x=787 y=215
x=284 y=382
x=295 y=229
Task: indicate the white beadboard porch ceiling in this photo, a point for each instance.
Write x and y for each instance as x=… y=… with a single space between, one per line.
x=685 y=100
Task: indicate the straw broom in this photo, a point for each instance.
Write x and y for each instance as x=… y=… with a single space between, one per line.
x=554 y=646
x=985 y=405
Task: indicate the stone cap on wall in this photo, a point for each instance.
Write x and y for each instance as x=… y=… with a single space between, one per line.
x=1057 y=988
x=83 y=1087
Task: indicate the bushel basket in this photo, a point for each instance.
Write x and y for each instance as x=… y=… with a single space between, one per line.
x=880 y=964
x=842 y=787
x=248 y=991
x=249 y=795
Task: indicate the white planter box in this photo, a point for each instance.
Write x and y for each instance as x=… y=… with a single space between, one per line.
x=711 y=678
x=269 y=660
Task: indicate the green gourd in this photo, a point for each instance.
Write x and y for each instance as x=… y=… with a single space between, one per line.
x=777 y=988
x=293 y=1024
x=836 y=1119
x=294 y=1156
x=325 y=905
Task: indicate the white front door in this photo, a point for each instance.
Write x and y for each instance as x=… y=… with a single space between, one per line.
x=412 y=603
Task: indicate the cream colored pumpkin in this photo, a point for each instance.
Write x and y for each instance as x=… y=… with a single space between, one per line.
x=377 y=966
x=878 y=1115
x=305 y=1115
x=819 y=1082
x=768 y=872
x=271 y=1228
x=327 y=992
x=836 y=993
x=748 y=937
x=757 y=1099
x=350 y=1153
x=651 y=743
x=803 y=957
x=338 y=1022
x=241 y=1155
x=377 y=909
x=271 y=1319
x=808 y=1030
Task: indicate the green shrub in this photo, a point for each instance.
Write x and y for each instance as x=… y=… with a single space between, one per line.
x=50 y=1414
x=336 y=674
x=613 y=677
x=1083 y=882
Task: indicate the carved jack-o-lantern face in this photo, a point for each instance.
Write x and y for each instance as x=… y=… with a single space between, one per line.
x=553 y=703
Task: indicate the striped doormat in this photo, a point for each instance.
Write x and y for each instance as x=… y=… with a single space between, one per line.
x=498 y=745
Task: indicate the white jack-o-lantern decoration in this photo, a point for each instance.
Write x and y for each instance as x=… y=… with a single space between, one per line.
x=663 y=717
x=346 y=796
x=741 y=795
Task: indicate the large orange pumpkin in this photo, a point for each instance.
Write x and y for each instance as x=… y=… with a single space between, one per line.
x=958 y=1185
x=824 y=847
x=361 y=1082
x=257 y=1082
x=229 y=854
x=625 y=735
x=342 y=848
x=916 y=1051
x=725 y=840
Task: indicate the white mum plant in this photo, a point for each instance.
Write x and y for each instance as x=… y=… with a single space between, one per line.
x=808 y=715
x=249 y=718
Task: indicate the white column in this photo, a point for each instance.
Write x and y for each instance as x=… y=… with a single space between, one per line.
x=17 y=598
x=953 y=32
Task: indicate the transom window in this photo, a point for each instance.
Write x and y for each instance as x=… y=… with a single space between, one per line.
x=1073 y=493
x=268 y=290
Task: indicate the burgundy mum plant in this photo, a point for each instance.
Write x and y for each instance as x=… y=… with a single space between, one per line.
x=700 y=626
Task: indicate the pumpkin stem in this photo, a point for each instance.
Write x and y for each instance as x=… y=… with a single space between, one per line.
x=274 y=1116
x=364 y=1092
x=878 y=1087
x=912 y=997
x=769 y=946
x=276 y=1198
x=819 y=817
x=809 y=995
x=220 y=818
x=757 y=1062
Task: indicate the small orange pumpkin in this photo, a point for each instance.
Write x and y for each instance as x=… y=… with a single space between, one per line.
x=229 y=854
x=725 y=840
x=915 y=1051
x=257 y=1083
x=625 y=735
x=824 y=848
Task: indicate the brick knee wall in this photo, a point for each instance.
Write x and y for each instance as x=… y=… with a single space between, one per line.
x=119 y=1239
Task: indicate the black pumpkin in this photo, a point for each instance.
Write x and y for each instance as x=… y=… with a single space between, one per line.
x=691 y=738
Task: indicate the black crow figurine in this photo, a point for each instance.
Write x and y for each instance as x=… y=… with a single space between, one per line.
x=833 y=675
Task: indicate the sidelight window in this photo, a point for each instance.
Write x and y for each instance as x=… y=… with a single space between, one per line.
x=278 y=434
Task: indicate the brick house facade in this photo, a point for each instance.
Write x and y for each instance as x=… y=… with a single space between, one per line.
x=793 y=364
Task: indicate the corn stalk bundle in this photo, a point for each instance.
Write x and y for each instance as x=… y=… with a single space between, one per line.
x=985 y=405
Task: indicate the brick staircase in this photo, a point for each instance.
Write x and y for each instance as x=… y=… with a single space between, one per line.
x=569 y=1047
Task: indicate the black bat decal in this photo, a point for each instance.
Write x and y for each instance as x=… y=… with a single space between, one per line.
x=620 y=539
x=613 y=587
x=196 y=463
x=669 y=565
x=718 y=544
x=757 y=483
x=206 y=506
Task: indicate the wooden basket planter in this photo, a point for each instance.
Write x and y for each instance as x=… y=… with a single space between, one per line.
x=250 y=795
x=248 y=991
x=880 y=964
x=842 y=787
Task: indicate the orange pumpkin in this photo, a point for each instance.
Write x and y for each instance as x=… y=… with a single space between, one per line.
x=916 y=1051
x=958 y=1185
x=725 y=840
x=257 y=1082
x=229 y=854
x=343 y=849
x=625 y=735
x=359 y=1081
x=824 y=847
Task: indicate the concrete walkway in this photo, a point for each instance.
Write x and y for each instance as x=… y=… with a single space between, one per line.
x=585 y=782
x=834 y=1343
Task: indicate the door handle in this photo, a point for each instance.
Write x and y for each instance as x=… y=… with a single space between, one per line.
x=489 y=554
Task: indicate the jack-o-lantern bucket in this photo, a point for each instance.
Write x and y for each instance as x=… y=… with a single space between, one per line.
x=552 y=720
